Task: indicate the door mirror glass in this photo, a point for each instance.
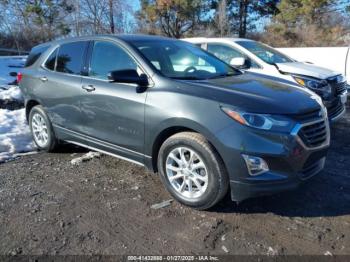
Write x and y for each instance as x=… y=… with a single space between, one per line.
x=129 y=76
x=230 y=55
x=239 y=62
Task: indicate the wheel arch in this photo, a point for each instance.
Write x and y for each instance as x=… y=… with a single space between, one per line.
x=29 y=105
x=169 y=131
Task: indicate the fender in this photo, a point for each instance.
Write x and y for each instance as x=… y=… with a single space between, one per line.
x=184 y=123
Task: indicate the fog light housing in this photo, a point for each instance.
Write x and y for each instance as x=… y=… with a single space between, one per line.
x=256 y=165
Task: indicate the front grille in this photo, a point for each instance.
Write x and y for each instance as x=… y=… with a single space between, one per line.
x=314 y=135
x=340 y=88
x=311 y=170
x=338 y=85
x=335 y=110
x=308 y=116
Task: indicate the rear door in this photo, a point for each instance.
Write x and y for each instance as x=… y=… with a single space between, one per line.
x=113 y=112
x=60 y=78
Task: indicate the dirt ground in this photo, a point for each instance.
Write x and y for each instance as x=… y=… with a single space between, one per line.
x=103 y=206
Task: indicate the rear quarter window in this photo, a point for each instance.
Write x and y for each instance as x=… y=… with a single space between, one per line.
x=35 y=53
x=51 y=60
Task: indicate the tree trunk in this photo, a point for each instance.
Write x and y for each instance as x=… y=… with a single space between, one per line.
x=240 y=31
x=243 y=13
x=222 y=18
x=77 y=19
x=111 y=16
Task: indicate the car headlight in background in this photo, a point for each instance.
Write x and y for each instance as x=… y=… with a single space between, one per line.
x=260 y=121
x=321 y=87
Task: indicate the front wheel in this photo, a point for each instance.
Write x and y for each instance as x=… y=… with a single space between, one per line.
x=192 y=170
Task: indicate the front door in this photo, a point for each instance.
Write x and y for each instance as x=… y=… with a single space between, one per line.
x=113 y=112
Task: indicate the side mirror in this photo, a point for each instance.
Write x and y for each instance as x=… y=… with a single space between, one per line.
x=239 y=62
x=128 y=76
x=14 y=74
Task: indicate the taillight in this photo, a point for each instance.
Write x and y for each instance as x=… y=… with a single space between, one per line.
x=19 y=77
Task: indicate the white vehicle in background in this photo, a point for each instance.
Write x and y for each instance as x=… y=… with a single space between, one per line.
x=334 y=58
x=259 y=58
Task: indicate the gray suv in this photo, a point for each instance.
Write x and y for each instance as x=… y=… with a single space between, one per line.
x=206 y=127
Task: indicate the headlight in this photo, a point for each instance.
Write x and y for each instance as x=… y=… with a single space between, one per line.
x=319 y=86
x=259 y=121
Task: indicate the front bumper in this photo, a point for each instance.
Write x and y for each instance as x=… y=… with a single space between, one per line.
x=337 y=108
x=243 y=190
x=290 y=160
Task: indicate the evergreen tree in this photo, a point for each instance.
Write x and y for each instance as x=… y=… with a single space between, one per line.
x=173 y=18
x=307 y=23
x=242 y=15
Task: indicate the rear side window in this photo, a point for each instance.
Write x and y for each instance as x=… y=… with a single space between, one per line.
x=35 y=54
x=51 y=61
x=70 y=58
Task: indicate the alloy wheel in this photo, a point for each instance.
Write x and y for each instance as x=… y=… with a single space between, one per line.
x=39 y=130
x=187 y=172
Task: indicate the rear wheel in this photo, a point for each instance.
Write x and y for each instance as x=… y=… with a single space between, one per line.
x=192 y=170
x=41 y=129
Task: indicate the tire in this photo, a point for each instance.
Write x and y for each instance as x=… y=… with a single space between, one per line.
x=51 y=143
x=206 y=167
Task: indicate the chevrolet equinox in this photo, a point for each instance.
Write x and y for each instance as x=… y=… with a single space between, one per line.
x=206 y=127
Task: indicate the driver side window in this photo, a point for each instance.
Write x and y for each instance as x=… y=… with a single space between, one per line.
x=107 y=57
x=227 y=53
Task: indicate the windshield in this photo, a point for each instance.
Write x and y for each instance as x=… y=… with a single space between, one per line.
x=264 y=52
x=180 y=60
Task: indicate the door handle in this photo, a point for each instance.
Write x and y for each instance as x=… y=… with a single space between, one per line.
x=89 y=88
x=44 y=79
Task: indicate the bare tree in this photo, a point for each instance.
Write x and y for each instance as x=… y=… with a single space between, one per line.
x=28 y=22
x=76 y=18
x=93 y=13
x=103 y=16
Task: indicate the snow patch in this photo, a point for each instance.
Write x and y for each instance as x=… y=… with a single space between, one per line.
x=162 y=204
x=272 y=252
x=11 y=93
x=15 y=136
x=84 y=158
x=225 y=249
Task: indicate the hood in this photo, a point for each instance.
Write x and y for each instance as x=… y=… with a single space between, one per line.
x=255 y=94
x=300 y=68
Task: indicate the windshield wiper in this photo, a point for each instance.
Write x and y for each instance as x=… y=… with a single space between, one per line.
x=222 y=75
x=186 y=78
